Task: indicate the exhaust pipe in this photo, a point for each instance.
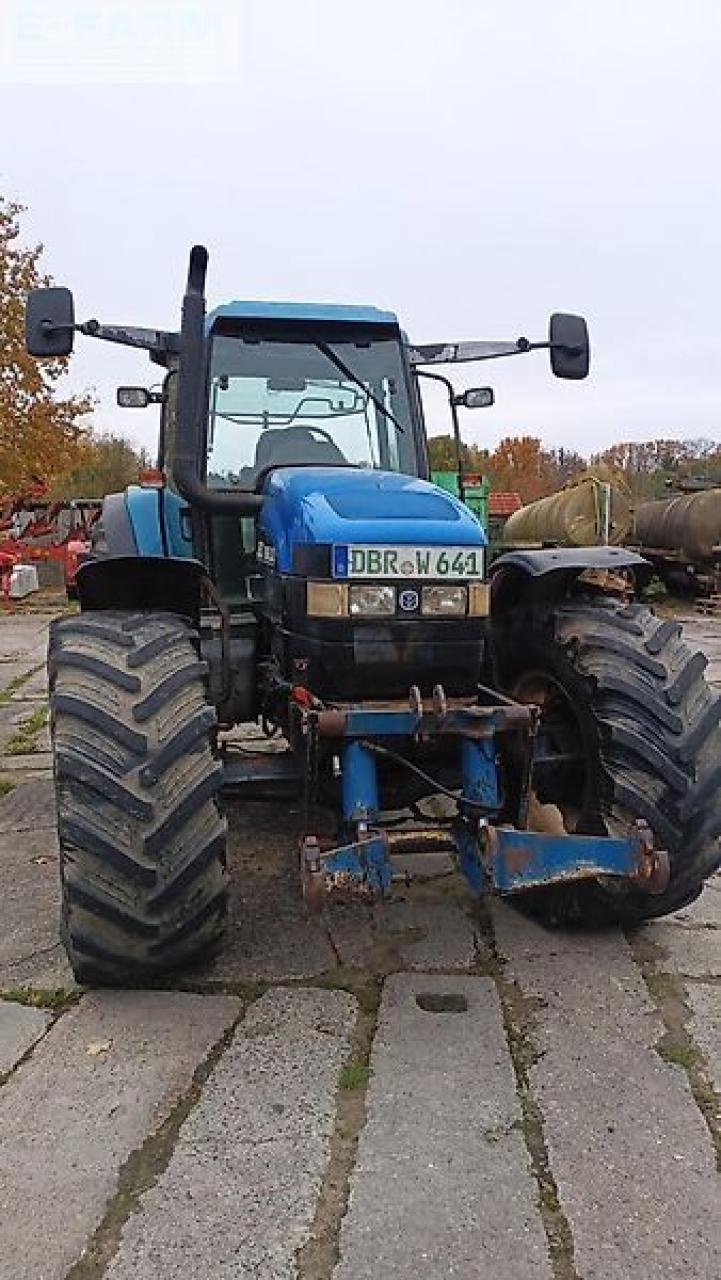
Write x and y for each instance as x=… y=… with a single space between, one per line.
x=191 y=403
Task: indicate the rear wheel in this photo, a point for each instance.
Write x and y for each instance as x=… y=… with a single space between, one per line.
x=142 y=842
x=629 y=729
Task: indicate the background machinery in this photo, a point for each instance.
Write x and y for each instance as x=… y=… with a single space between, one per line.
x=291 y=564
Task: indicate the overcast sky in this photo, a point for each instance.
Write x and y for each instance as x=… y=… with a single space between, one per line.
x=470 y=165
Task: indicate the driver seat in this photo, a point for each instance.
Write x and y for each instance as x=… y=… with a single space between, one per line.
x=288 y=446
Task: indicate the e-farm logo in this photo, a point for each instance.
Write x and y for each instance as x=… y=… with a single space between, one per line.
x=120 y=41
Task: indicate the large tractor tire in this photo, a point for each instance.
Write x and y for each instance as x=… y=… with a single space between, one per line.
x=142 y=842
x=629 y=730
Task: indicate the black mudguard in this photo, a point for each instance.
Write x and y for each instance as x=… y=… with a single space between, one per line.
x=163 y=584
x=545 y=575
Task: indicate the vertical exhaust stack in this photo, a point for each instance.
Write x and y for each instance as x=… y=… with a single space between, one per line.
x=191 y=393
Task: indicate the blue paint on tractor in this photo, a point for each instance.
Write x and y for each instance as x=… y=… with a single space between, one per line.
x=366 y=861
x=531 y=859
x=151 y=509
x=308 y=311
x=479 y=771
x=337 y=505
x=360 y=784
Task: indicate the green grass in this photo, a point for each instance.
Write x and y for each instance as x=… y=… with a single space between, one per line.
x=55 y=998
x=6 y=786
x=24 y=741
x=354 y=1075
x=8 y=693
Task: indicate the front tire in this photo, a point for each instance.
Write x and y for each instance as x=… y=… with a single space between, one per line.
x=629 y=729
x=142 y=842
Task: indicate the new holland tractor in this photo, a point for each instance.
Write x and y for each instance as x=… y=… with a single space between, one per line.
x=290 y=566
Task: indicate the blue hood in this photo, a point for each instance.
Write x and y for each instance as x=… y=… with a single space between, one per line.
x=343 y=505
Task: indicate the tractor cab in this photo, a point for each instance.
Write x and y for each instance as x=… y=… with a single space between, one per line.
x=292 y=385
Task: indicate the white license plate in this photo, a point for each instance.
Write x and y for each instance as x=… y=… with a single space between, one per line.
x=407 y=562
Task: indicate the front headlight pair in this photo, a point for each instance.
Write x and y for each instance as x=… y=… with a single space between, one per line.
x=378 y=600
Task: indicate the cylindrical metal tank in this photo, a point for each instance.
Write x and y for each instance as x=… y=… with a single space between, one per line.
x=690 y=523
x=583 y=515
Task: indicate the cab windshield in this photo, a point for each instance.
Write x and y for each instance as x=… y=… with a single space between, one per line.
x=277 y=403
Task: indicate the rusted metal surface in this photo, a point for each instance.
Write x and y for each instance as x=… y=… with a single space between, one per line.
x=689 y=524
x=571 y=518
x=312 y=879
x=420 y=840
x=653 y=871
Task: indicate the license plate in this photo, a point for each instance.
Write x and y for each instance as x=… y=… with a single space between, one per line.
x=407 y=562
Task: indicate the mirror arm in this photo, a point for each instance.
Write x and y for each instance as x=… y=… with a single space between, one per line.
x=550 y=346
x=155 y=340
x=460 y=352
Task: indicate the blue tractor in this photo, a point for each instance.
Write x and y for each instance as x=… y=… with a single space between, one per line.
x=290 y=565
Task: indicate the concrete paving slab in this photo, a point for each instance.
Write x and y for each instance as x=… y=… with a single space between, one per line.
x=629 y=1150
x=36 y=688
x=34 y=766
x=238 y=1196
x=424 y=927
x=442 y=1185
x=705 y=912
x=29 y=900
x=704 y=1002
x=13 y=670
x=104 y=1077
x=23 y=635
x=20 y=1028
x=694 y=950
x=29 y=807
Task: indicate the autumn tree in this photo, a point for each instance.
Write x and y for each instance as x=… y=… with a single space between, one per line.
x=651 y=467
x=442 y=454
x=41 y=433
x=565 y=466
x=520 y=464
x=110 y=463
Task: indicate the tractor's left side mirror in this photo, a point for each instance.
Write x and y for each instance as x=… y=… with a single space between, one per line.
x=476 y=398
x=570 y=351
x=49 y=322
x=132 y=397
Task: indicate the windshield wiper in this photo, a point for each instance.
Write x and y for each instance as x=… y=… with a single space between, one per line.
x=343 y=368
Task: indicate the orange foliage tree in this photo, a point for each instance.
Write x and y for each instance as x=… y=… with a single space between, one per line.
x=520 y=464
x=41 y=433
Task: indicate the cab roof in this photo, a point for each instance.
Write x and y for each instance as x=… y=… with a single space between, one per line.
x=300 y=311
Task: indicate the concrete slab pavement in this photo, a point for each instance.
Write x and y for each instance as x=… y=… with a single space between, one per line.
x=239 y=1194
x=631 y=1154
x=107 y=1075
x=20 y=1029
x=442 y=1184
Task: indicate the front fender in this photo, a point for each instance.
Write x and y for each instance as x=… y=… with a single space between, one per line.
x=550 y=574
x=163 y=584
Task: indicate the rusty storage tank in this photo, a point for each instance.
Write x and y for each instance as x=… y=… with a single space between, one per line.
x=584 y=514
x=690 y=524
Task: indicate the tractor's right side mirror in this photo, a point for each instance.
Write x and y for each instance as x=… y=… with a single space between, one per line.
x=49 y=322
x=570 y=350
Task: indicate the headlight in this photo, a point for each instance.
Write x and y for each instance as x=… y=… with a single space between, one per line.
x=446 y=601
x=372 y=599
x=327 y=599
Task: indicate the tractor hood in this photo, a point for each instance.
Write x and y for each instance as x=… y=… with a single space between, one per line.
x=312 y=506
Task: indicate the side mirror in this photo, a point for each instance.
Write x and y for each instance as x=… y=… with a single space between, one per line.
x=132 y=397
x=475 y=398
x=570 y=351
x=137 y=397
x=49 y=322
